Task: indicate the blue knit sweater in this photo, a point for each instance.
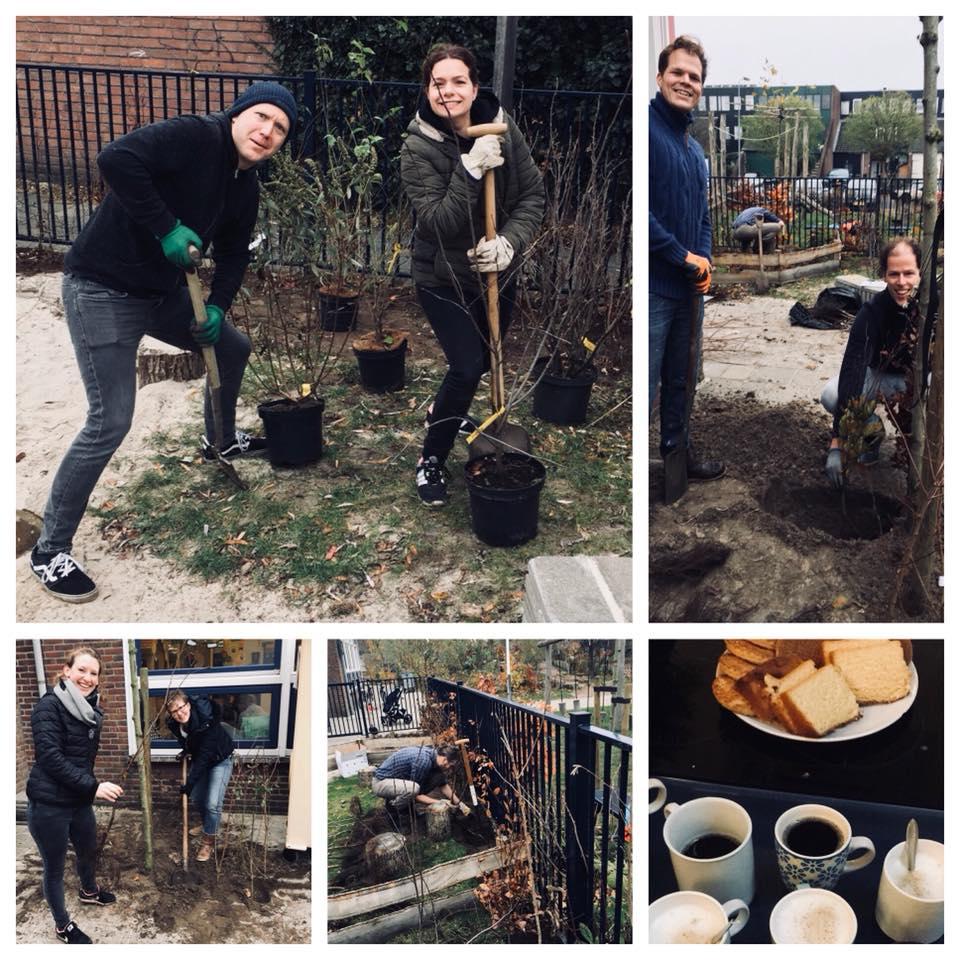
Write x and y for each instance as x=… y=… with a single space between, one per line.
x=679 y=215
x=408 y=763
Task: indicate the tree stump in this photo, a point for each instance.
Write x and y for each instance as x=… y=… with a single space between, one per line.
x=386 y=856
x=28 y=530
x=365 y=776
x=159 y=361
x=438 y=821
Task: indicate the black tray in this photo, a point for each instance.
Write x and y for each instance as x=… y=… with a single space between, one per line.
x=884 y=824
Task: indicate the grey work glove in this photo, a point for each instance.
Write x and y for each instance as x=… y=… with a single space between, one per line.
x=484 y=155
x=491 y=256
x=835 y=468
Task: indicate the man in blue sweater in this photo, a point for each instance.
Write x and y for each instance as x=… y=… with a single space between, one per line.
x=185 y=182
x=680 y=242
x=417 y=774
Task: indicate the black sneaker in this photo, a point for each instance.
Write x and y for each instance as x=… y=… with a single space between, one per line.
x=102 y=898
x=72 y=934
x=59 y=574
x=242 y=445
x=432 y=482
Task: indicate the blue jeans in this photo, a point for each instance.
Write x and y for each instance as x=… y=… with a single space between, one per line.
x=106 y=327
x=207 y=795
x=51 y=827
x=875 y=384
x=669 y=334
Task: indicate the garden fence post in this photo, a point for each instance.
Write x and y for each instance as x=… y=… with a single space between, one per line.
x=361 y=708
x=579 y=777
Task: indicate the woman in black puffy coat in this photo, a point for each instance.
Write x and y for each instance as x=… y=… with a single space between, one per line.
x=66 y=725
x=442 y=168
x=195 y=722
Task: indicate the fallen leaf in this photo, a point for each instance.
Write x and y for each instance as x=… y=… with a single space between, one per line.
x=332 y=552
x=840 y=602
x=20 y=456
x=246 y=568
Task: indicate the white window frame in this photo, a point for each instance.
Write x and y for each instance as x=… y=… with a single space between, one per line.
x=284 y=676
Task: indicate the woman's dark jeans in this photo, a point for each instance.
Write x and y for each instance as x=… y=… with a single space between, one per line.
x=51 y=827
x=463 y=334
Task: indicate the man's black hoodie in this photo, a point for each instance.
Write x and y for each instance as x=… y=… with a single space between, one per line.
x=181 y=169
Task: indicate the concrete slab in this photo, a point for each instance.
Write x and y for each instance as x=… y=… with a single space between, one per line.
x=578 y=590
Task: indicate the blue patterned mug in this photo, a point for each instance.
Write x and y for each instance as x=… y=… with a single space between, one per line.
x=815 y=847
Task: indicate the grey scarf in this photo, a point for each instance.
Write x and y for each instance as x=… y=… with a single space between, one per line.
x=77 y=704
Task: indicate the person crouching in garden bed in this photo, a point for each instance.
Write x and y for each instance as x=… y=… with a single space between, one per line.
x=442 y=169
x=66 y=725
x=195 y=722
x=417 y=775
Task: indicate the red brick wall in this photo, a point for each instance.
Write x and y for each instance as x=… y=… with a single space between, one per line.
x=205 y=44
x=113 y=760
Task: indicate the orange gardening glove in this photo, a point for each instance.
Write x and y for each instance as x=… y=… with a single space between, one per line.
x=698 y=269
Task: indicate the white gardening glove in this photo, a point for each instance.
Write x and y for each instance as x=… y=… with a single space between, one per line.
x=484 y=155
x=491 y=256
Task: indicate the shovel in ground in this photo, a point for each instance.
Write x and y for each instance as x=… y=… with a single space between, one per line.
x=213 y=373
x=675 y=462
x=494 y=435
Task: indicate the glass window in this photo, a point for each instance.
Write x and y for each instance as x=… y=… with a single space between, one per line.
x=844 y=108
x=724 y=104
x=163 y=655
x=249 y=715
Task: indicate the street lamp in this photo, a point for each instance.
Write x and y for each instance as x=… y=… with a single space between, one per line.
x=740 y=127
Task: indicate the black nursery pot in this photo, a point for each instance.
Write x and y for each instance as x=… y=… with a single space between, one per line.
x=504 y=512
x=294 y=431
x=382 y=371
x=563 y=400
x=338 y=313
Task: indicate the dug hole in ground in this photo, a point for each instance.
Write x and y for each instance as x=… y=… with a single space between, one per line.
x=769 y=541
x=167 y=904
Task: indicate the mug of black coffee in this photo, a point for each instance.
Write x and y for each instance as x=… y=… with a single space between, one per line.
x=815 y=847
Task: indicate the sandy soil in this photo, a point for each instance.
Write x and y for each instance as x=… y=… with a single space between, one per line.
x=50 y=410
x=168 y=905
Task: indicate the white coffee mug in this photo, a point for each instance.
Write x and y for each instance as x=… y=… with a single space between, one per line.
x=727 y=877
x=812 y=915
x=910 y=905
x=801 y=869
x=690 y=917
x=658 y=801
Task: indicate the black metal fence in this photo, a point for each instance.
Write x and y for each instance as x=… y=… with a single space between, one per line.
x=66 y=115
x=863 y=212
x=572 y=781
x=364 y=708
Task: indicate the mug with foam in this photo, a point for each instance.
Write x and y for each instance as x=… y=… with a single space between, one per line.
x=658 y=801
x=710 y=840
x=813 y=915
x=815 y=846
x=691 y=917
x=910 y=903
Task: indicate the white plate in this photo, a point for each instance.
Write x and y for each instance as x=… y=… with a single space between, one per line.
x=874 y=718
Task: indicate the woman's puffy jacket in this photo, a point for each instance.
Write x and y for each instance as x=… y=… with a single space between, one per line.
x=207 y=742
x=64 y=751
x=449 y=202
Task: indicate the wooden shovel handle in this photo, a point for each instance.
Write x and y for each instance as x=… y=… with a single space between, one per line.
x=186 y=844
x=486 y=130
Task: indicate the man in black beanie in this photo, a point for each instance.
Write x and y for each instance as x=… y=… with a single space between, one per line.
x=188 y=181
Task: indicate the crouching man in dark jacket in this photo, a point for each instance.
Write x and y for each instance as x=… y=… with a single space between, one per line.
x=180 y=183
x=195 y=722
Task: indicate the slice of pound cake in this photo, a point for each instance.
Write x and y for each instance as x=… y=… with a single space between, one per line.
x=876 y=673
x=821 y=703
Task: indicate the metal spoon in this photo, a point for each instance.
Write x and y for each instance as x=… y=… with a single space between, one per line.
x=723 y=932
x=913 y=835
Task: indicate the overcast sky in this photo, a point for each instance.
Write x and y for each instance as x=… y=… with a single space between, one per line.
x=851 y=53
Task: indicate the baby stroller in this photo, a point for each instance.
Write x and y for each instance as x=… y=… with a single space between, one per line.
x=393 y=711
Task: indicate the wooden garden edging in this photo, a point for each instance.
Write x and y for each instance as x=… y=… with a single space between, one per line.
x=426 y=883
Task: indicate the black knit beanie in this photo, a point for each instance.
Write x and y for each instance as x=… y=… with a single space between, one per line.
x=265 y=91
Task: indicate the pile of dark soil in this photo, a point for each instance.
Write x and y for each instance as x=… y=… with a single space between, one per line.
x=771 y=540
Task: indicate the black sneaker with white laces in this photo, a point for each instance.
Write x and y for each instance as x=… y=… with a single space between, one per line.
x=59 y=574
x=432 y=482
x=72 y=934
x=242 y=445
x=102 y=898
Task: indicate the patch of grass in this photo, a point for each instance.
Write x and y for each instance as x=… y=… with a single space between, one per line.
x=459 y=928
x=349 y=529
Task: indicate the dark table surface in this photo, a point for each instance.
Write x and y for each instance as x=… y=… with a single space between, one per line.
x=885 y=824
x=693 y=738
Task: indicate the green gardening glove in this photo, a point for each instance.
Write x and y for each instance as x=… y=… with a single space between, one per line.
x=209 y=333
x=176 y=245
